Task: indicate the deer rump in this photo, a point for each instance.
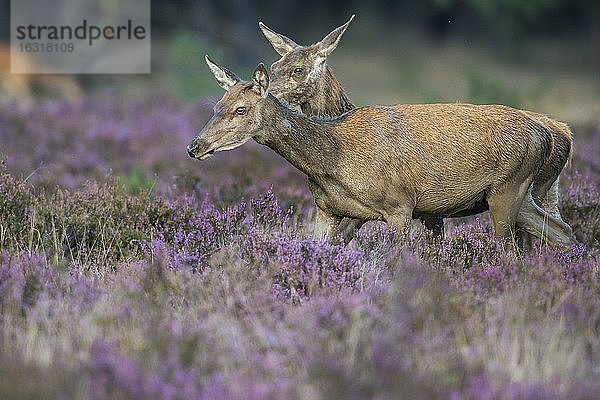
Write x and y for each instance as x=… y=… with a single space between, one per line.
x=444 y=159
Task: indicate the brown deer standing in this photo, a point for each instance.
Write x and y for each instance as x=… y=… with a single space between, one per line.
x=390 y=162
x=303 y=79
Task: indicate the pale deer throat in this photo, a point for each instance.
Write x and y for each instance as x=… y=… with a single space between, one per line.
x=330 y=99
x=307 y=143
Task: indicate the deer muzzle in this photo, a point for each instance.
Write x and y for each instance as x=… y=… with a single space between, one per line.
x=199 y=149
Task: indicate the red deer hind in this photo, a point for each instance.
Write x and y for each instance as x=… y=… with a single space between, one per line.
x=303 y=78
x=389 y=162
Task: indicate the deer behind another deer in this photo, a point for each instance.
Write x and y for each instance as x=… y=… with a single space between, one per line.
x=390 y=162
x=303 y=78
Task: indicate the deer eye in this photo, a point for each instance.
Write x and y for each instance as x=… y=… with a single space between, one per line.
x=298 y=71
x=240 y=111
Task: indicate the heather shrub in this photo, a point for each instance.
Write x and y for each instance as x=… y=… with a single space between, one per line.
x=23 y=381
x=67 y=143
x=377 y=239
x=302 y=266
x=257 y=231
x=394 y=343
x=22 y=278
x=16 y=202
x=467 y=246
x=99 y=223
x=581 y=208
x=198 y=229
x=161 y=278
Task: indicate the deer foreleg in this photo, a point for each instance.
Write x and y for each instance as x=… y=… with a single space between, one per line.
x=347 y=228
x=325 y=224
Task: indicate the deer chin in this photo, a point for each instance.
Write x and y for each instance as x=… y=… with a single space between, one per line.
x=292 y=104
x=206 y=155
x=224 y=147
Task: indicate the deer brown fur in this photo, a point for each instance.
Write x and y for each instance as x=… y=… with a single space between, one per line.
x=390 y=162
x=303 y=79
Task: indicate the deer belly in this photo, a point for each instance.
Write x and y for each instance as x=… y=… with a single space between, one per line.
x=342 y=203
x=452 y=202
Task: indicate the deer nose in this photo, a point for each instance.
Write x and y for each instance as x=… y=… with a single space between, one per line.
x=191 y=150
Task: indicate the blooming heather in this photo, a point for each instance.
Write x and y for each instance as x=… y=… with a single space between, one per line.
x=128 y=271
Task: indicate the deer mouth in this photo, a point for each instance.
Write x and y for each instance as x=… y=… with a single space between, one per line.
x=224 y=147
x=206 y=155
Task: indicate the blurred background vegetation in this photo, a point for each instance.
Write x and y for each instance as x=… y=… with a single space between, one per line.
x=537 y=54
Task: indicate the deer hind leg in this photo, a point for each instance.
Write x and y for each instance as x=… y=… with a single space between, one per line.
x=542 y=224
x=551 y=200
x=504 y=204
x=546 y=195
x=435 y=224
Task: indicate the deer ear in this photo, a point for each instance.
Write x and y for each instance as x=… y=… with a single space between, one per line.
x=260 y=80
x=225 y=78
x=280 y=43
x=330 y=42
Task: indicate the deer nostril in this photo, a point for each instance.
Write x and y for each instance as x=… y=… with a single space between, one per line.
x=191 y=150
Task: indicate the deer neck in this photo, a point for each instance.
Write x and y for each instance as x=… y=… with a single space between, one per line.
x=330 y=99
x=308 y=144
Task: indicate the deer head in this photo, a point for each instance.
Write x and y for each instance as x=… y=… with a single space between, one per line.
x=236 y=117
x=295 y=76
